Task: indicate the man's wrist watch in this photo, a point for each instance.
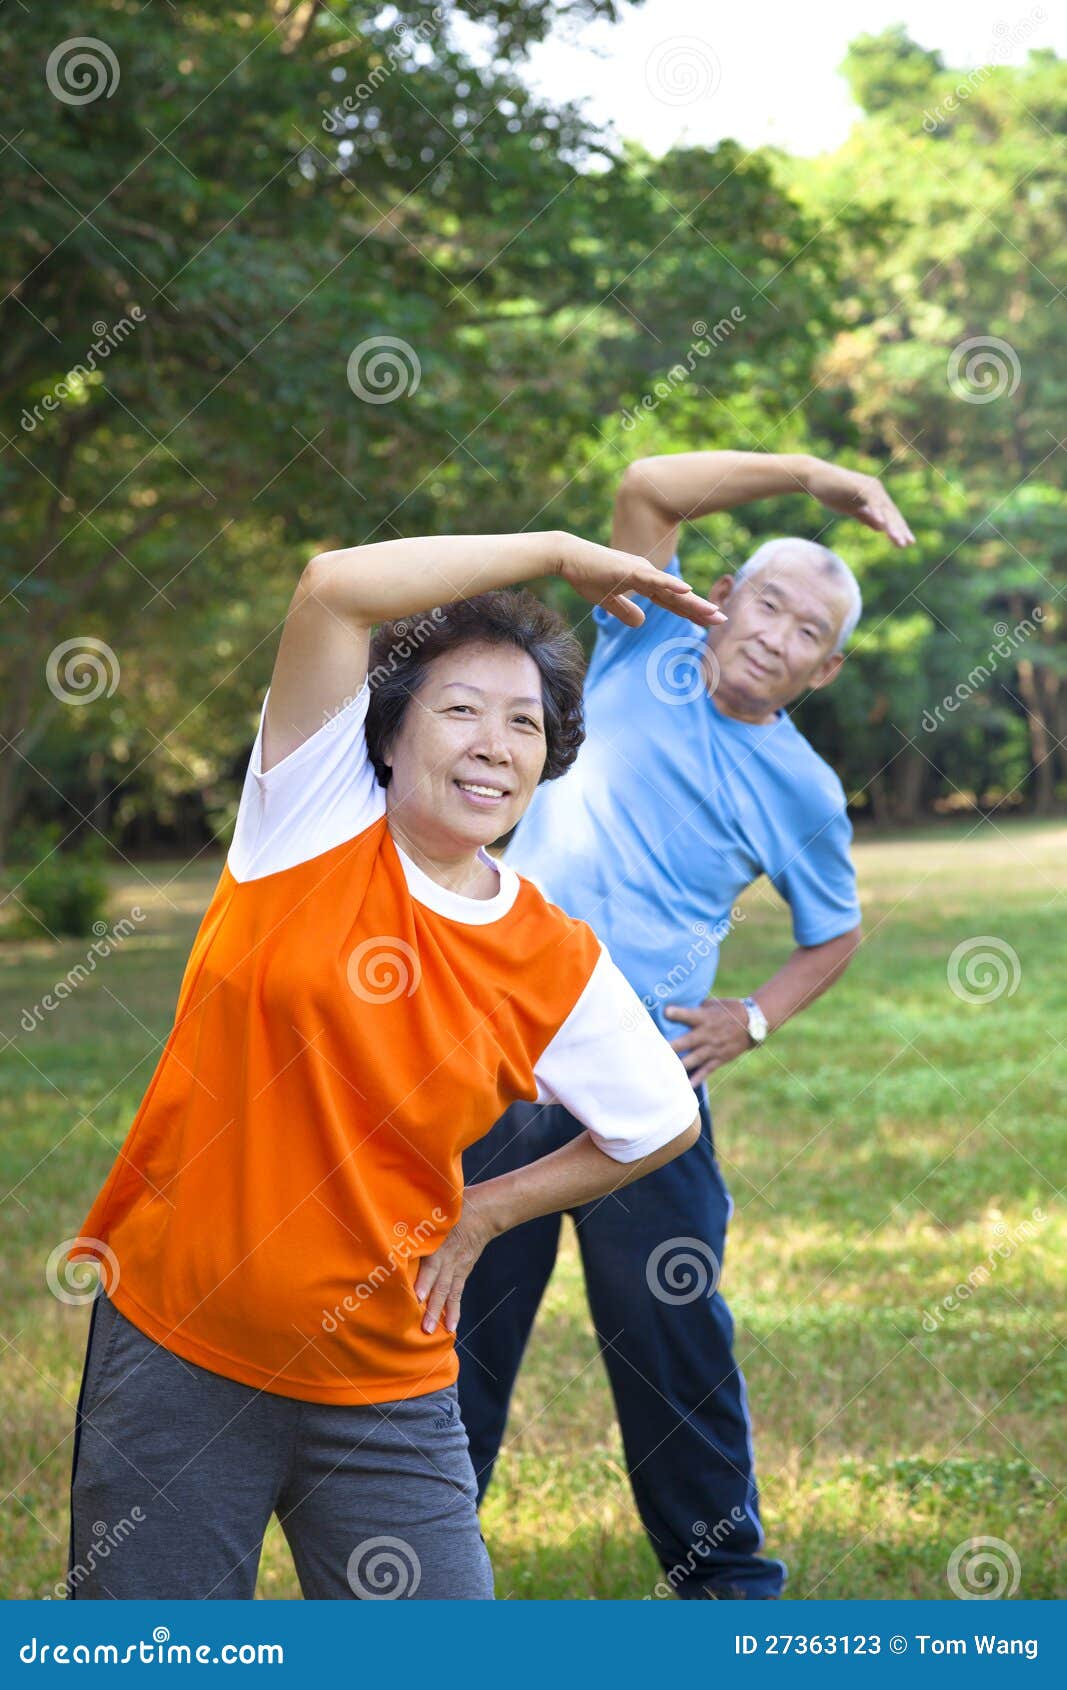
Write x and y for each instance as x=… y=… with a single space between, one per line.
x=757 y=1021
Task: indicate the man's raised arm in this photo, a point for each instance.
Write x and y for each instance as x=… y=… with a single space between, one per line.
x=656 y=495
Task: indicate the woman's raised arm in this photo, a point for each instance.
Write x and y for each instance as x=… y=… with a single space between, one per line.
x=323 y=655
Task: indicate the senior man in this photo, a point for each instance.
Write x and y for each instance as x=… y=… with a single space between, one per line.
x=692 y=783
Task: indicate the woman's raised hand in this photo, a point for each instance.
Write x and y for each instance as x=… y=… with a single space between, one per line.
x=603 y=576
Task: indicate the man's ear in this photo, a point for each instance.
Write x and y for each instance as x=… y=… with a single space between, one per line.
x=827 y=671
x=720 y=590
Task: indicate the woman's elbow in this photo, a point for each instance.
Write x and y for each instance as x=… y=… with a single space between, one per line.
x=691 y=1135
x=683 y=1141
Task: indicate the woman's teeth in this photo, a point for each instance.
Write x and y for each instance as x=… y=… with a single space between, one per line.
x=481 y=791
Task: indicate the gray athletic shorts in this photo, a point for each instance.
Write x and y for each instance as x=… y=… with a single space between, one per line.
x=177 y=1471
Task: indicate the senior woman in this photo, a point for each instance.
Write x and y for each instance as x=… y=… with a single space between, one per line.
x=284 y=1236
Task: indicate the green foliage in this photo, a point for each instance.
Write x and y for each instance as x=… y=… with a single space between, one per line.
x=948 y=378
x=251 y=202
x=59 y=893
x=193 y=258
x=889 y=69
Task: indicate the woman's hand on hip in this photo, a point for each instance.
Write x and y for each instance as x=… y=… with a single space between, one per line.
x=441 y=1277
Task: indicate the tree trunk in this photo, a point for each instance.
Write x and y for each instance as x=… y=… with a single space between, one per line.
x=8 y=799
x=15 y=711
x=881 y=808
x=1043 y=770
x=909 y=777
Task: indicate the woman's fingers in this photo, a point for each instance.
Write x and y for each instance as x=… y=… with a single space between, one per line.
x=689 y=605
x=444 y=1300
x=429 y=1267
x=436 y=1302
x=647 y=577
x=604 y=575
x=677 y=595
x=626 y=611
x=439 y=1284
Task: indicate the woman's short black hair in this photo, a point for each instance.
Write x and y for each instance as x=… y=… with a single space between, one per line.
x=401 y=652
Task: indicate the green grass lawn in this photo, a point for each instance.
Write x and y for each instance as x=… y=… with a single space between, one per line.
x=884 y=1146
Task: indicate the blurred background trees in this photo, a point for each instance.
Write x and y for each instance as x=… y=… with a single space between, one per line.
x=309 y=276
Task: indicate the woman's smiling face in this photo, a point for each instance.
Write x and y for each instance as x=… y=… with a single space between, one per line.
x=470 y=750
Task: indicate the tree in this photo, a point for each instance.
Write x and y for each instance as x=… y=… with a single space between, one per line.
x=950 y=372
x=295 y=277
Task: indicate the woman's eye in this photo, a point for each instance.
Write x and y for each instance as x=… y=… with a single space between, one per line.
x=460 y=707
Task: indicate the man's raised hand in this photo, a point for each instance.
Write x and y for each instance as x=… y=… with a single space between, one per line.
x=850 y=493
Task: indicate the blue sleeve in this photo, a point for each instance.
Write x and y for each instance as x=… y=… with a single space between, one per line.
x=616 y=642
x=817 y=878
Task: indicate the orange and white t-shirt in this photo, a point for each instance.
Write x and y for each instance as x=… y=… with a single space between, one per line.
x=345 y=1027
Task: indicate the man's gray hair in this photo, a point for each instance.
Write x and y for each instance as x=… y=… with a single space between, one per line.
x=822 y=558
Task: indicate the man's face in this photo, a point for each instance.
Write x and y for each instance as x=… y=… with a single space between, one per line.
x=778 y=642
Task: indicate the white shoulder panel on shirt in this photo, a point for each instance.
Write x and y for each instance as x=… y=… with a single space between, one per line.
x=612 y=1068
x=323 y=794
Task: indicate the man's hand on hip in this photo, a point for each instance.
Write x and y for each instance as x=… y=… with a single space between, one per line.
x=718 y=1032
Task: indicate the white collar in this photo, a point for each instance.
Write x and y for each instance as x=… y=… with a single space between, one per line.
x=475 y=911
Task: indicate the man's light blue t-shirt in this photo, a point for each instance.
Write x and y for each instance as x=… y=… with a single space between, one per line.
x=671 y=809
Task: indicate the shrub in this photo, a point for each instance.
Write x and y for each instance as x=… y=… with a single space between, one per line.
x=61 y=893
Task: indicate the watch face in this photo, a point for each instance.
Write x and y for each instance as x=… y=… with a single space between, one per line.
x=757 y=1021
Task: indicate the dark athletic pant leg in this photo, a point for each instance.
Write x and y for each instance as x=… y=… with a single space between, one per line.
x=679 y=1394
x=502 y=1295
x=380 y=1504
x=652 y=1255
x=175 y=1472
